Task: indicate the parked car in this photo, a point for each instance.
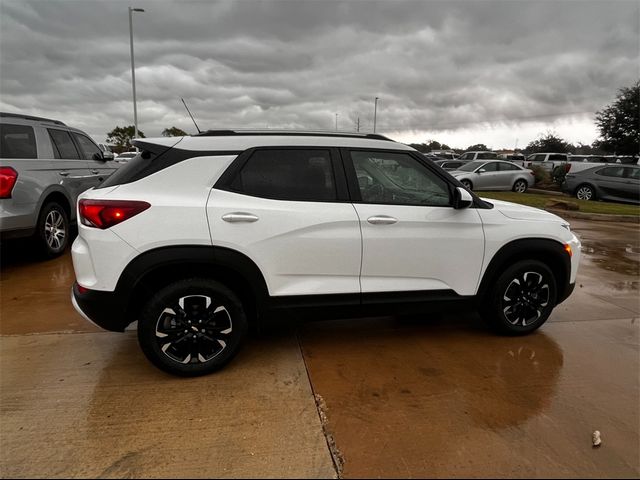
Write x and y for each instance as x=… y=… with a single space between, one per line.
x=512 y=157
x=106 y=151
x=204 y=236
x=450 y=164
x=471 y=156
x=495 y=175
x=445 y=154
x=548 y=161
x=124 y=157
x=44 y=166
x=620 y=183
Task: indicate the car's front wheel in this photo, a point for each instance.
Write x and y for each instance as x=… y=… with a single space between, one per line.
x=521 y=299
x=520 y=186
x=192 y=327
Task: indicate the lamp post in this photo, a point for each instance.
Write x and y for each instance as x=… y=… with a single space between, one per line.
x=336 y=122
x=133 y=69
x=375 y=113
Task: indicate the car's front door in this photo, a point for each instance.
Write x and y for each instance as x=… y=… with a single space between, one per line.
x=99 y=167
x=288 y=210
x=412 y=237
x=487 y=179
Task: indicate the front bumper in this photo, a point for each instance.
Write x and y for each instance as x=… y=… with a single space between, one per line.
x=104 y=309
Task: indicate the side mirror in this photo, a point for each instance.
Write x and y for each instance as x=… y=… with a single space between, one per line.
x=461 y=198
x=482 y=170
x=108 y=155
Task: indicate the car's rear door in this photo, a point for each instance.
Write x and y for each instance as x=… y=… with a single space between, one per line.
x=413 y=239
x=69 y=166
x=288 y=210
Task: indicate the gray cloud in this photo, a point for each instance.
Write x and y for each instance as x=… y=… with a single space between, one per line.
x=436 y=65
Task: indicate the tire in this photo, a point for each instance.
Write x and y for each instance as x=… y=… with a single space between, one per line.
x=520 y=186
x=467 y=184
x=52 y=230
x=510 y=310
x=202 y=312
x=585 y=192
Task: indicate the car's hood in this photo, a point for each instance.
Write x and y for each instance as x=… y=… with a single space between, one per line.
x=456 y=173
x=523 y=212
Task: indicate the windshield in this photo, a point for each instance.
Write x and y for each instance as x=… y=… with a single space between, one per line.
x=471 y=166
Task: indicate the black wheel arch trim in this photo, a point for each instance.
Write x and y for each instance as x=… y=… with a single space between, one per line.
x=550 y=252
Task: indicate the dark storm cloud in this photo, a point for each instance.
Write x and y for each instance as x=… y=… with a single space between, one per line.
x=435 y=65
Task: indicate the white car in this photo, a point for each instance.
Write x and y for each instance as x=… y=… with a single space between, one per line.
x=480 y=155
x=198 y=237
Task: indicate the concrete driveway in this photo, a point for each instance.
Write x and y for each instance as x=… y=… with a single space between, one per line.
x=384 y=397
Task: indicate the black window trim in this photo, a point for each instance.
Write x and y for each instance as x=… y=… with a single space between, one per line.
x=225 y=182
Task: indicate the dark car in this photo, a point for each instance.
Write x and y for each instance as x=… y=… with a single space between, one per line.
x=450 y=164
x=620 y=183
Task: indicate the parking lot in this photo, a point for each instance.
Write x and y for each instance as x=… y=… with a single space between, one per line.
x=380 y=397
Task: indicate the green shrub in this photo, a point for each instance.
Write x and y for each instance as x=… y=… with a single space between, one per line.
x=542 y=176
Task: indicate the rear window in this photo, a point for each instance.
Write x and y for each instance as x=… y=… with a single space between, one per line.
x=302 y=175
x=17 y=141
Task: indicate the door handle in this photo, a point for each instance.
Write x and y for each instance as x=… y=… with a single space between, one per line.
x=64 y=174
x=382 y=220
x=237 y=217
x=95 y=171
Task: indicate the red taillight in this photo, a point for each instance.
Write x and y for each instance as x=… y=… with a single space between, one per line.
x=8 y=177
x=82 y=290
x=107 y=213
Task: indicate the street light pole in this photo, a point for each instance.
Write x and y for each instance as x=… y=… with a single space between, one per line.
x=133 y=68
x=336 y=122
x=375 y=113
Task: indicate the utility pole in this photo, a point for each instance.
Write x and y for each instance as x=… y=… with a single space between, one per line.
x=358 y=125
x=336 y=122
x=375 y=113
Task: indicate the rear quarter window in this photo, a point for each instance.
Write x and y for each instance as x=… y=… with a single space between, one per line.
x=17 y=141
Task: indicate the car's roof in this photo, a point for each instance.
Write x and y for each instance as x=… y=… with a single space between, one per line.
x=242 y=140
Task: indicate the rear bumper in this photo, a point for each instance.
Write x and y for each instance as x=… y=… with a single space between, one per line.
x=104 y=309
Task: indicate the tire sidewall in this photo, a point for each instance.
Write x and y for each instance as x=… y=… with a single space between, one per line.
x=41 y=238
x=593 y=192
x=494 y=314
x=515 y=186
x=169 y=295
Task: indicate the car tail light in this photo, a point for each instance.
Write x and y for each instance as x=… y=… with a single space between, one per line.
x=107 y=213
x=8 y=178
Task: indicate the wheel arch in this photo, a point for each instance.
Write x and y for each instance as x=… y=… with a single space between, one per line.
x=550 y=252
x=60 y=196
x=152 y=270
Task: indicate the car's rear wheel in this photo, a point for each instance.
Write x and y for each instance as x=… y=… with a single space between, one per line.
x=192 y=327
x=521 y=299
x=52 y=230
x=467 y=184
x=585 y=192
x=520 y=186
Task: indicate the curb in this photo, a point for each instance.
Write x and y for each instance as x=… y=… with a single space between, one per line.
x=547 y=192
x=601 y=217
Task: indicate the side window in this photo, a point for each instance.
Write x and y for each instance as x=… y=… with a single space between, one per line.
x=486 y=156
x=507 y=167
x=539 y=158
x=631 y=173
x=490 y=167
x=305 y=175
x=63 y=146
x=398 y=179
x=89 y=149
x=617 y=172
x=467 y=156
x=562 y=158
x=17 y=141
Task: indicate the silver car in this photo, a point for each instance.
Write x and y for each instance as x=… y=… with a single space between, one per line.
x=494 y=175
x=44 y=166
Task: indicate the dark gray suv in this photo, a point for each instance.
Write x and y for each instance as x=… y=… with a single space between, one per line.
x=44 y=166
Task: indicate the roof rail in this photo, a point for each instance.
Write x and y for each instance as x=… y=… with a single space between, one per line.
x=295 y=133
x=31 y=117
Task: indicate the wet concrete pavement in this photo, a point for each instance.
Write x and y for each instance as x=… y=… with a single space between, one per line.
x=403 y=397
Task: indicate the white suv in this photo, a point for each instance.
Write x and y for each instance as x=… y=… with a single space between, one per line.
x=198 y=237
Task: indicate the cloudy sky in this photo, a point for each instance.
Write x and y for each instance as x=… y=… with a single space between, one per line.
x=461 y=72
